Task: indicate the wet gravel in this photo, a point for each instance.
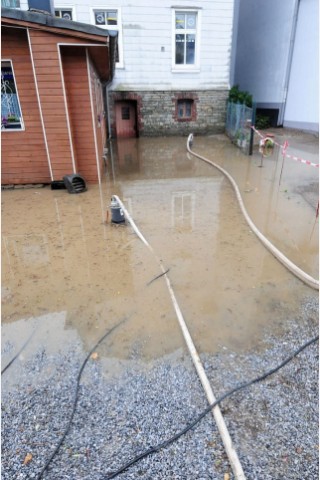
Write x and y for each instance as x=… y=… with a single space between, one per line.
x=123 y=411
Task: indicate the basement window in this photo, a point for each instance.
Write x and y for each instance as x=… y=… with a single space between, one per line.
x=184 y=107
x=11 y=117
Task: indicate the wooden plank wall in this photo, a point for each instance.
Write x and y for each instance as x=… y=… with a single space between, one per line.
x=24 y=155
x=98 y=111
x=47 y=66
x=24 y=158
x=78 y=98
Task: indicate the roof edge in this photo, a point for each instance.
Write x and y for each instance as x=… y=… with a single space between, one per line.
x=47 y=20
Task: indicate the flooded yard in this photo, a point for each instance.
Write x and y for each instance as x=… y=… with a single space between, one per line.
x=61 y=258
x=69 y=275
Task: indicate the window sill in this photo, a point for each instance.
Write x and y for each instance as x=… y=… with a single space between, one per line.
x=14 y=127
x=185 y=70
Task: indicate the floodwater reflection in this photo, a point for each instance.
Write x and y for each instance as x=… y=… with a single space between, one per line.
x=60 y=255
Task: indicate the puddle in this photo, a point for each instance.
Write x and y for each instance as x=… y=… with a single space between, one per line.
x=60 y=259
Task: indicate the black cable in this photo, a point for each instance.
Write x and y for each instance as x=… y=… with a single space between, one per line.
x=164 y=444
x=17 y=354
x=76 y=398
x=158 y=276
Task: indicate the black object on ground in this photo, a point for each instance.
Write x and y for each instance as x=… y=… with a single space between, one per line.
x=58 y=185
x=75 y=183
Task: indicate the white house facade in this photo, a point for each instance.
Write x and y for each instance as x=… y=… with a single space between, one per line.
x=173 y=62
x=276 y=58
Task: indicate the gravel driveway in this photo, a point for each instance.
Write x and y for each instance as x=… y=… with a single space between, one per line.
x=124 y=409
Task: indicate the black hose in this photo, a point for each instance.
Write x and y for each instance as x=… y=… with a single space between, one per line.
x=17 y=354
x=76 y=398
x=164 y=444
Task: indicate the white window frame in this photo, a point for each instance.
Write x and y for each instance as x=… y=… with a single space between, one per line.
x=115 y=28
x=22 y=128
x=183 y=68
x=67 y=7
x=12 y=4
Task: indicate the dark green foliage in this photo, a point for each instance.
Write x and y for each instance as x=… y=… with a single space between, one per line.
x=238 y=96
x=262 y=121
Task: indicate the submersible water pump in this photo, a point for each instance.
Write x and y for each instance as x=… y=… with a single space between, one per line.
x=117 y=215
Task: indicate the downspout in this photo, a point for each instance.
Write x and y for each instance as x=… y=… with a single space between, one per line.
x=112 y=64
x=107 y=86
x=289 y=64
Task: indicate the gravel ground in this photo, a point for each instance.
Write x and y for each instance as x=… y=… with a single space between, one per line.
x=274 y=424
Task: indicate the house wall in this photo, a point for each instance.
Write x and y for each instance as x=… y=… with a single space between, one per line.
x=148 y=46
x=64 y=142
x=262 y=48
x=24 y=158
x=50 y=85
x=302 y=105
x=157 y=111
x=276 y=58
x=148 y=50
x=98 y=113
x=75 y=72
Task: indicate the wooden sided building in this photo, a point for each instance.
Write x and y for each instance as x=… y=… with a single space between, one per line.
x=53 y=114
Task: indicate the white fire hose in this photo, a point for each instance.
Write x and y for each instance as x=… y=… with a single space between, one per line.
x=307 y=279
x=216 y=412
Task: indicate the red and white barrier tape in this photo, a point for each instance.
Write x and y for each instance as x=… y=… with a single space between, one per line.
x=284 y=148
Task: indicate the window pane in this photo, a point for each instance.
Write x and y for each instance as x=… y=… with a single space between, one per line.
x=66 y=14
x=180 y=110
x=185 y=108
x=180 y=40
x=190 y=49
x=188 y=108
x=10 y=3
x=10 y=108
x=100 y=18
x=112 y=17
x=180 y=20
x=125 y=113
x=191 y=20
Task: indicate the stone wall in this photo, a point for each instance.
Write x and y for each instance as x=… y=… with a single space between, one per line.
x=157 y=111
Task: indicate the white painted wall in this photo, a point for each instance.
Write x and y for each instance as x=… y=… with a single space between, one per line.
x=302 y=106
x=147 y=30
x=263 y=43
x=276 y=57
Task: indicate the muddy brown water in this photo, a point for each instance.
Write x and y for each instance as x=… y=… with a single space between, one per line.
x=66 y=272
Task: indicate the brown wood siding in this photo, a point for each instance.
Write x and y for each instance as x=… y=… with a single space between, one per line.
x=47 y=67
x=98 y=109
x=78 y=97
x=24 y=158
x=28 y=146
